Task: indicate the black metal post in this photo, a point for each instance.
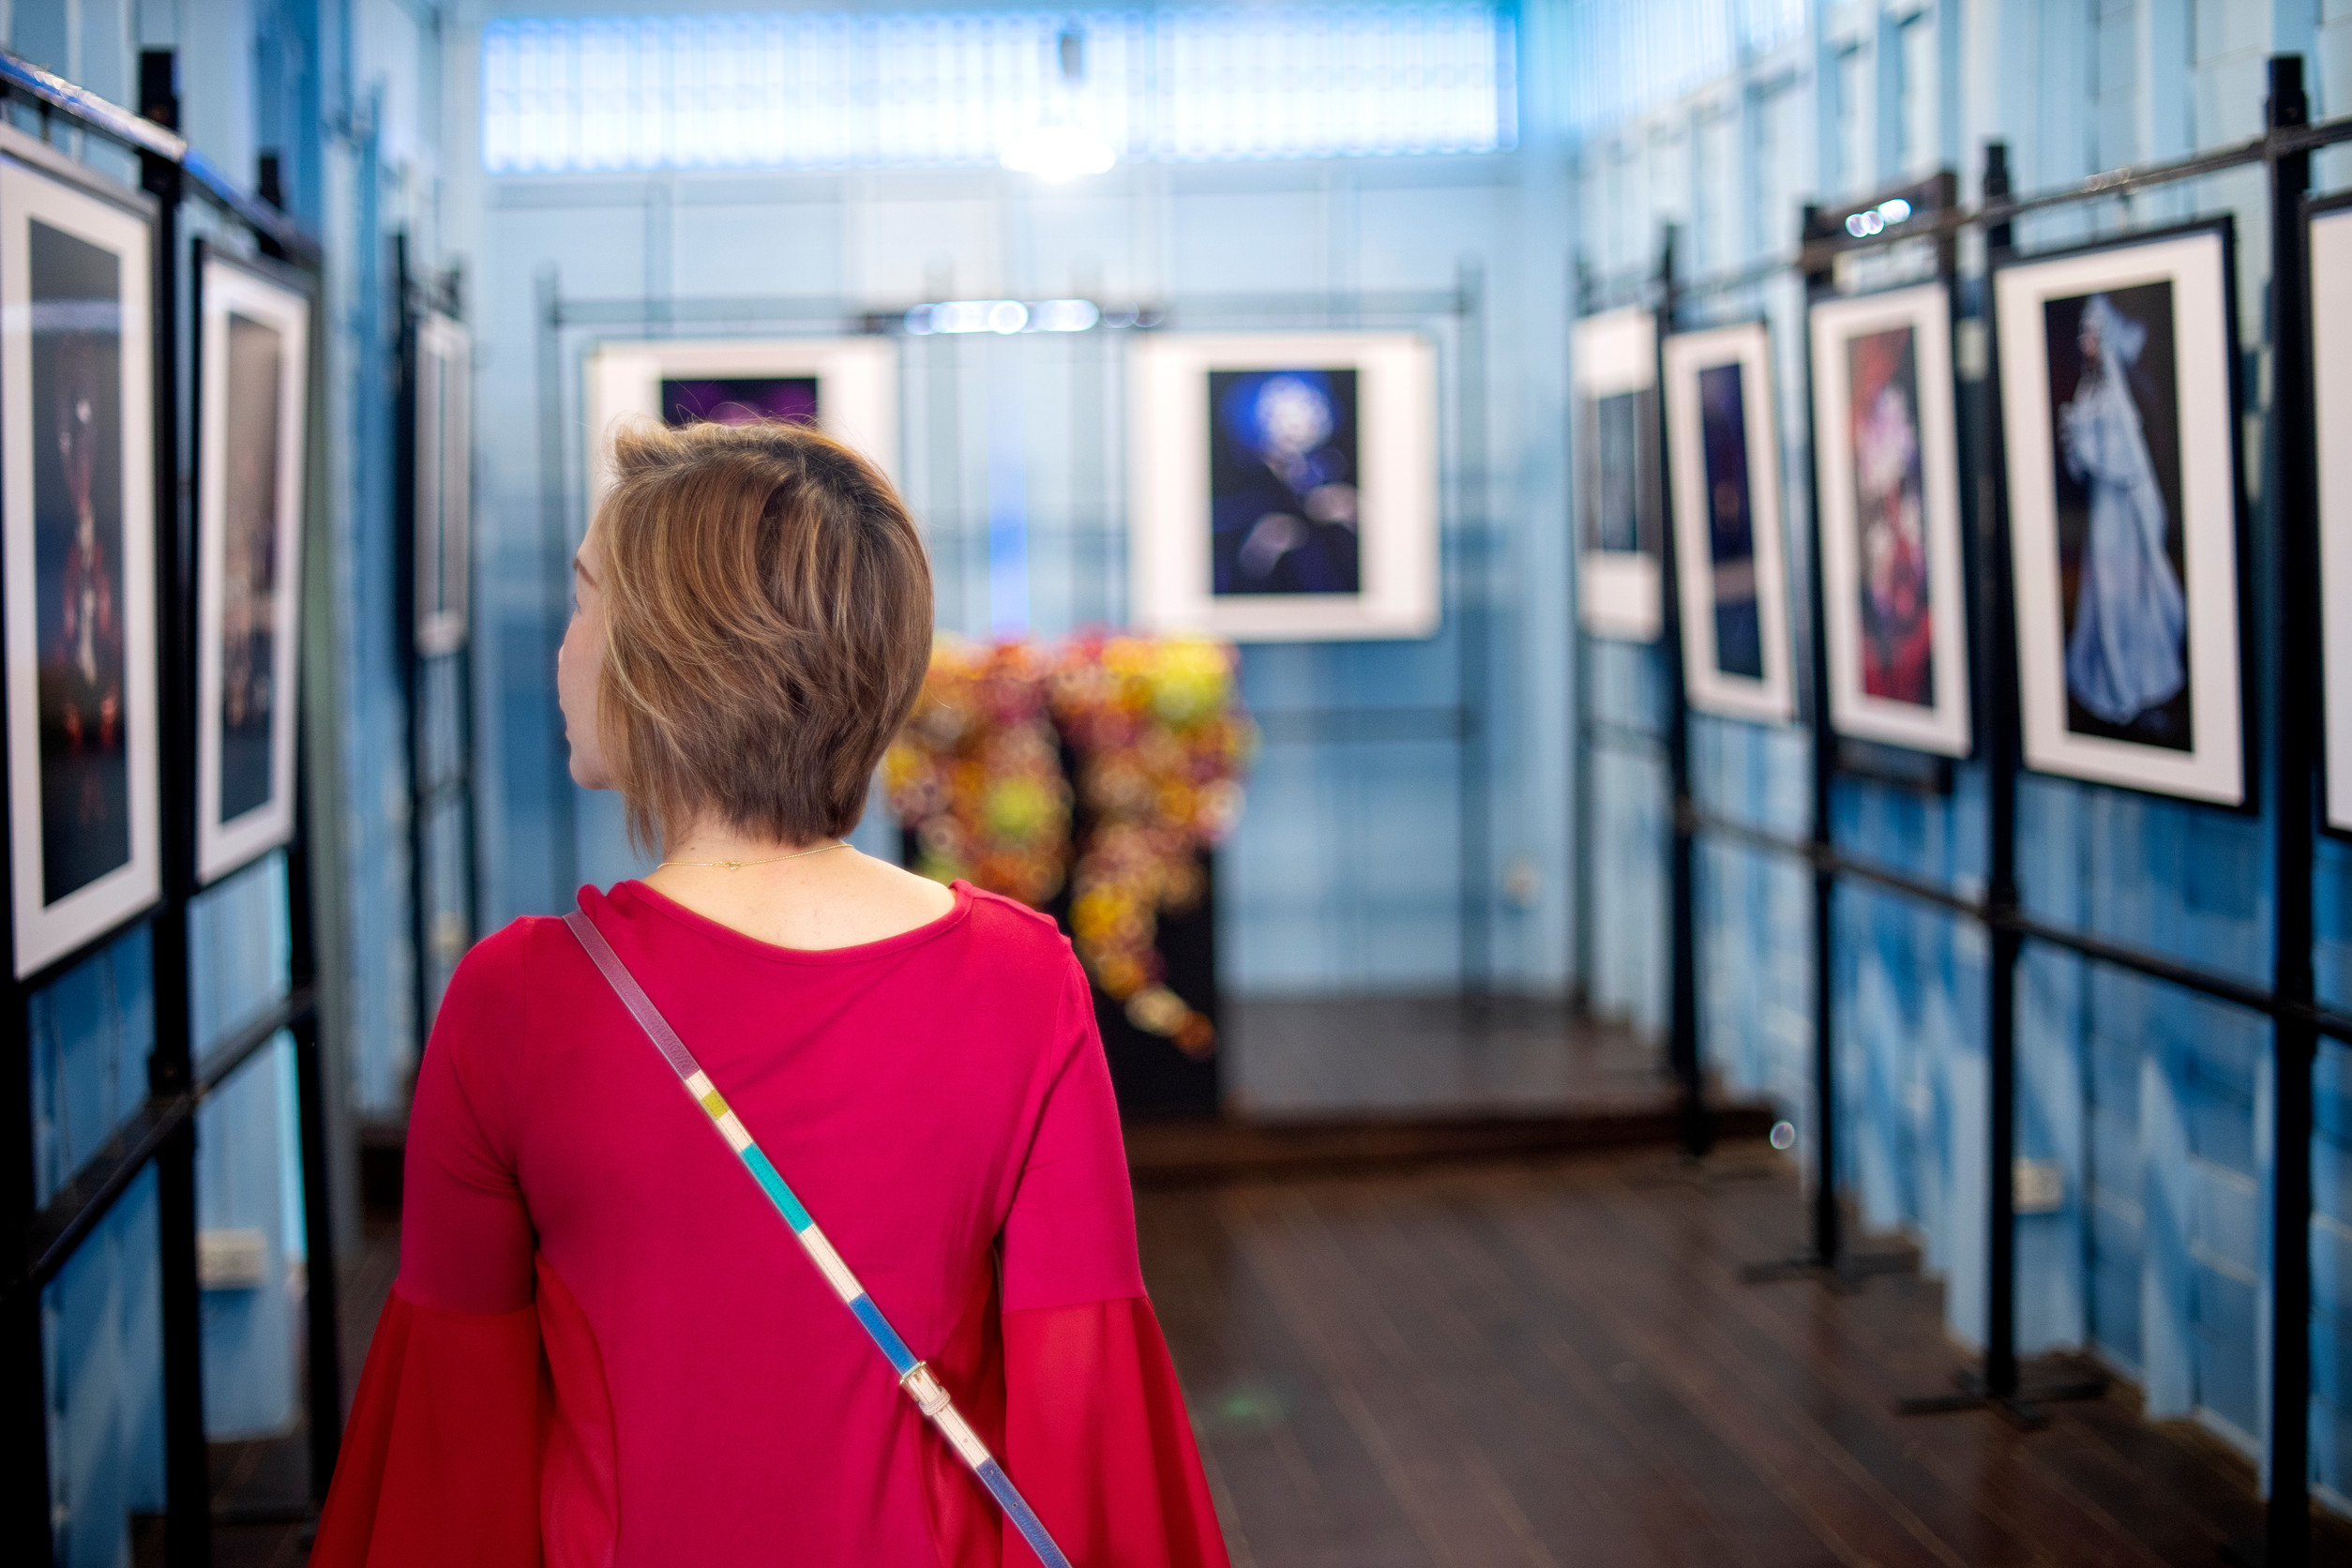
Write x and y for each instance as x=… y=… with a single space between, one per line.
x=2294 y=537
x=24 y=1396
x=1996 y=1384
x=1825 y=1249
x=556 y=545
x=1699 y=1131
x=1474 y=674
x=2000 y=794
x=1580 y=691
x=187 y=1484
x=1829 y=1231
x=321 y=1324
x=408 y=306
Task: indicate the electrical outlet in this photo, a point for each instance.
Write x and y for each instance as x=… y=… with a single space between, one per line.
x=2039 y=1186
x=232 y=1259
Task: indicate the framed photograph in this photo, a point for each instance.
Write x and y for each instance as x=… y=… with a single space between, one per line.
x=252 y=363
x=2331 y=272
x=77 y=505
x=1284 y=486
x=2119 y=416
x=1724 y=452
x=444 y=481
x=1621 y=498
x=1887 y=468
x=846 y=387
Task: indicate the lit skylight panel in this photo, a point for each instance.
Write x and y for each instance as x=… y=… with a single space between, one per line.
x=816 y=90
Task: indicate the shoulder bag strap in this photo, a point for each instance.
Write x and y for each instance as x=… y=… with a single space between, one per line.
x=929 y=1394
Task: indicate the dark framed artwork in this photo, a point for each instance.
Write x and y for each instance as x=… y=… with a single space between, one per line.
x=2116 y=373
x=2329 y=237
x=1283 y=485
x=1620 y=496
x=1286 y=468
x=738 y=399
x=443 y=389
x=1886 y=467
x=76 y=505
x=1722 y=446
x=846 y=387
x=252 y=403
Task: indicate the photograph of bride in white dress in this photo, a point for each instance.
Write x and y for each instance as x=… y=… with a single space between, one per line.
x=2114 y=411
x=2118 y=391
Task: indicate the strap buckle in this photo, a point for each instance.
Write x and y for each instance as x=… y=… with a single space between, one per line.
x=929 y=1394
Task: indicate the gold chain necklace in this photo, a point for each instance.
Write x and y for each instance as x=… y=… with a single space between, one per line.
x=739 y=864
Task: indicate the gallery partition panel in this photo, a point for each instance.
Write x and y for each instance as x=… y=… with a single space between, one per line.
x=2113 y=643
x=114 y=590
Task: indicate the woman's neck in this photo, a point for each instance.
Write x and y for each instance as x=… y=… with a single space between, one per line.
x=721 y=850
x=812 y=895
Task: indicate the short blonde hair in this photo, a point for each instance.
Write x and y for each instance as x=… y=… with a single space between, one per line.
x=768 y=620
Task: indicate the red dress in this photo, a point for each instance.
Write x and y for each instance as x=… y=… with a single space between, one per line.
x=605 y=1347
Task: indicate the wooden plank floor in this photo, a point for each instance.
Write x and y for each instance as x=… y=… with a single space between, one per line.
x=1556 y=1366
x=1553 y=1363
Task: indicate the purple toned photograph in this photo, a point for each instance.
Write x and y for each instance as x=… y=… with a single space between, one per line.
x=739 y=399
x=249 y=587
x=1722 y=424
x=76 y=293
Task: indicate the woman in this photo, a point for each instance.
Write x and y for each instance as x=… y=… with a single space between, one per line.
x=605 y=1346
x=2125 y=656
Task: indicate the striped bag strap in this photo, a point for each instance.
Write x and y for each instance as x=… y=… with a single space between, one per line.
x=929 y=1395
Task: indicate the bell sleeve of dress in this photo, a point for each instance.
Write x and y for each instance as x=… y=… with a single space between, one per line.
x=1095 y=1431
x=439 y=1460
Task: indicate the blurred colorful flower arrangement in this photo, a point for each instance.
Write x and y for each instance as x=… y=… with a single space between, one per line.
x=977 y=773
x=1161 y=744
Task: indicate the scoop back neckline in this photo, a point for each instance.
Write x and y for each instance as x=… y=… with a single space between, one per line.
x=703 y=926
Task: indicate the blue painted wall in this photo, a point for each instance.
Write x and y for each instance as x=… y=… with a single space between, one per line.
x=346 y=91
x=1348 y=871
x=1346 y=875
x=2153 y=1105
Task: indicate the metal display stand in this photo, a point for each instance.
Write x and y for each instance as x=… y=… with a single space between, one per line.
x=1669 y=743
x=2284 y=564
x=567 y=327
x=161 y=1133
x=438 y=681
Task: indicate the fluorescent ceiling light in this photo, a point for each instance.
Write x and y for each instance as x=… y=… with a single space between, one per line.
x=1058 y=153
